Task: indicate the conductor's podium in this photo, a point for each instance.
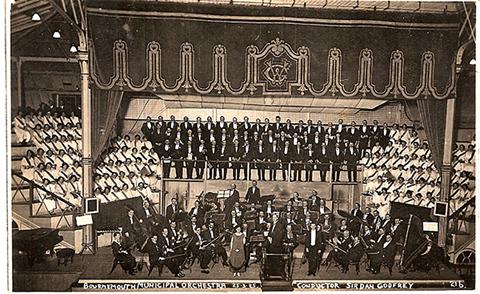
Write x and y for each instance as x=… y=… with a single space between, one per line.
x=276 y=272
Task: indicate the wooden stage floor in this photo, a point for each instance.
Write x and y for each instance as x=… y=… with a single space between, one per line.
x=96 y=268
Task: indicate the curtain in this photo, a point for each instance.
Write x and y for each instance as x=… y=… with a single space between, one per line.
x=433 y=116
x=105 y=107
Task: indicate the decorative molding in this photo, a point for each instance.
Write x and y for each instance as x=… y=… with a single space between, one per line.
x=276 y=69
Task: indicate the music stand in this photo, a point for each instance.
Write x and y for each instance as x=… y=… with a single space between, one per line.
x=297 y=229
x=210 y=197
x=314 y=215
x=266 y=198
x=219 y=220
x=223 y=194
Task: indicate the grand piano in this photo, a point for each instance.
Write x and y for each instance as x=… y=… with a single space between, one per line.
x=34 y=243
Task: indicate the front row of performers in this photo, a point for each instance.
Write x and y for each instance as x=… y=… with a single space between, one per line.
x=206 y=233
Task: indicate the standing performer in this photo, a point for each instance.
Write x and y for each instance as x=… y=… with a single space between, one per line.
x=253 y=194
x=313 y=249
x=237 y=252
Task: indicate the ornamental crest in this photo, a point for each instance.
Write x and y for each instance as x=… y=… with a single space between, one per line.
x=276 y=71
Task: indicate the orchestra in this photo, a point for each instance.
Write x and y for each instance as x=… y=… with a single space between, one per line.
x=239 y=234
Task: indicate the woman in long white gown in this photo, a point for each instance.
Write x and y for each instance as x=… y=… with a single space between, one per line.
x=21 y=129
x=45 y=197
x=28 y=165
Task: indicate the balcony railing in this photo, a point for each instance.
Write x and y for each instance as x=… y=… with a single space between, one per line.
x=37 y=198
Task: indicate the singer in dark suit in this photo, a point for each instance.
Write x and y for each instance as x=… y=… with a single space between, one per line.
x=253 y=193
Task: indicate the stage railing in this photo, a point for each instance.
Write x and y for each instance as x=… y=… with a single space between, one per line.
x=288 y=167
x=37 y=199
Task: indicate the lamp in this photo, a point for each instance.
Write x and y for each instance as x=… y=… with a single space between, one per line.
x=56 y=35
x=73 y=49
x=36 y=17
x=473 y=61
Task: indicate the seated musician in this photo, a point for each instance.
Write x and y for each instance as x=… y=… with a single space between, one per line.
x=344 y=226
x=197 y=211
x=368 y=235
x=303 y=211
x=198 y=249
x=233 y=220
x=173 y=209
x=268 y=208
x=174 y=233
x=237 y=208
x=368 y=216
x=314 y=201
x=260 y=221
x=356 y=253
x=210 y=234
x=289 y=208
x=296 y=199
x=341 y=247
x=147 y=214
x=194 y=223
x=327 y=226
x=158 y=257
x=323 y=208
x=428 y=257
x=122 y=255
x=397 y=231
x=384 y=255
x=289 y=218
x=131 y=227
x=247 y=232
x=355 y=222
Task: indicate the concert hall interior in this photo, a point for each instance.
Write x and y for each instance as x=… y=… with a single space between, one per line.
x=273 y=144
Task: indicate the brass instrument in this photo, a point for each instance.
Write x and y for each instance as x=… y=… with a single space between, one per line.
x=336 y=247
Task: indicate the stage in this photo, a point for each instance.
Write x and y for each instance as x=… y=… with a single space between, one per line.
x=91 y=272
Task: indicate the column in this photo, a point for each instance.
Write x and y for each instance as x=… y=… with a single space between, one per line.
x=88 y=232
x=446 y=169
x=21 y=99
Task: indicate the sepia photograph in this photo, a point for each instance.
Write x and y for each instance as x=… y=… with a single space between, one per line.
x=240 y=145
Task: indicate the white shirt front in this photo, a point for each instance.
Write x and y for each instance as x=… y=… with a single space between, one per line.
x=313 y=237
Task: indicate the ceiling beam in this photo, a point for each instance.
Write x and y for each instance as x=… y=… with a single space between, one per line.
x=65 y=15
x=27 y=8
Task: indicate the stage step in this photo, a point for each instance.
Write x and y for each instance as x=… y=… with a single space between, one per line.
x=21 y=150
x=16 y=162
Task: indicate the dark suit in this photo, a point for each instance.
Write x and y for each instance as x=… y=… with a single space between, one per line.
x=384 y=136
x=253 y=196
x=148 y=131
x=178 y=154
x=374 y=135
x=230 y=201
x=336 y=159
x=314 y=203
x=323 y=157
x=364 y=135
x=313 y=251
x=352 y=136
x=211 y=234
x=212 y=156
x=285 y=156
x=200 y=213
x=155 y=251
x=236 y=154
x=170 y=212
x=298 y=157
x=260 y=162
x=351 y=157
x=272 y=157
x=166 y=155
x=222 y=166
